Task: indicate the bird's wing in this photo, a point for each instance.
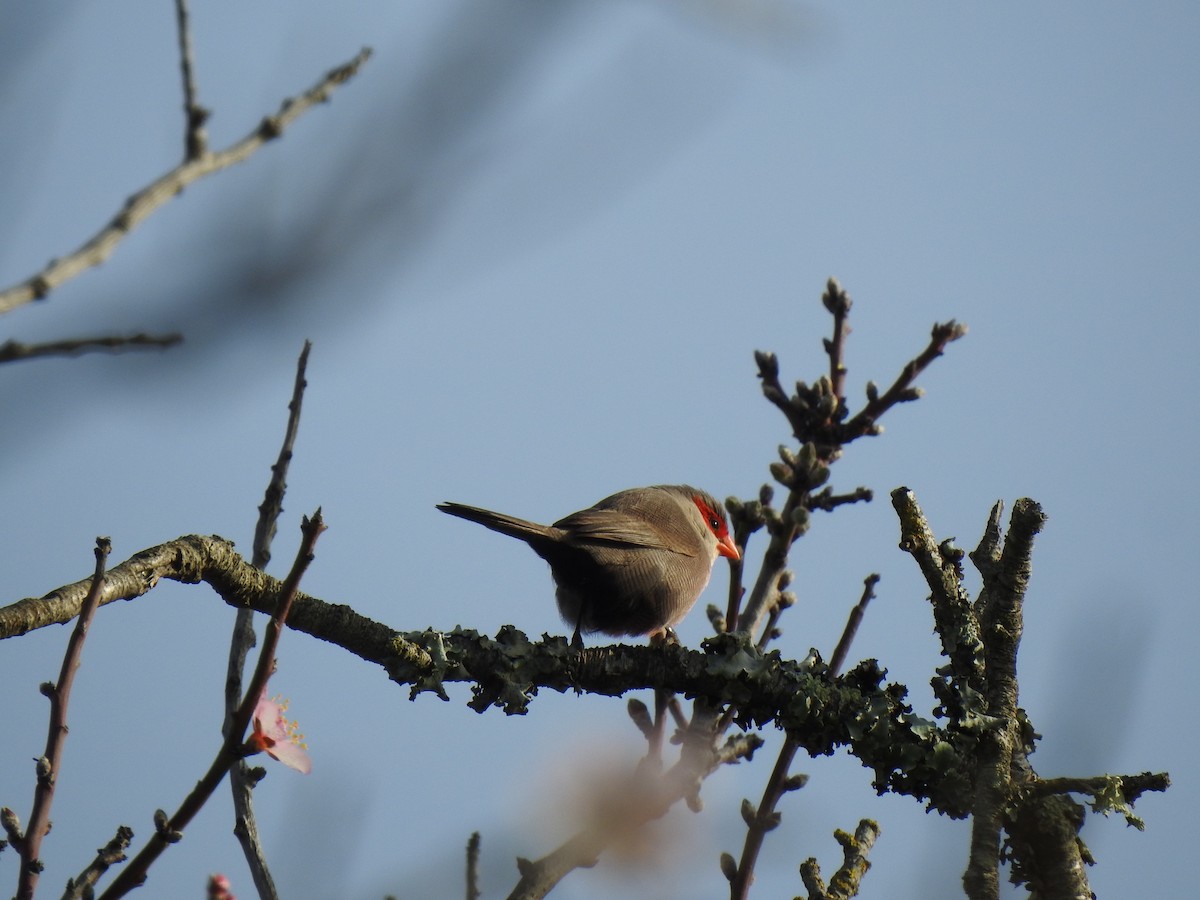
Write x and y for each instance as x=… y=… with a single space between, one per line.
x=610 y=526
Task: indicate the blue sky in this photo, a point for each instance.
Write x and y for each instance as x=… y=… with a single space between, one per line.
x=536 y=245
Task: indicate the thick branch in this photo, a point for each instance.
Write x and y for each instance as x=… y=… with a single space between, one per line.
x=952 y=616
x=1002 y=747
x=908 y=754
x=507 y=671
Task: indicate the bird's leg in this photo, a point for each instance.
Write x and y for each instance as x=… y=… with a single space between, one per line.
x=577 y=638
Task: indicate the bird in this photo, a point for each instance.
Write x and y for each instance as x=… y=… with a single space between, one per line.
x=633 y=564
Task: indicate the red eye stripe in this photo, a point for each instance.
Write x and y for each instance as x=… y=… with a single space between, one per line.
x=712 y=517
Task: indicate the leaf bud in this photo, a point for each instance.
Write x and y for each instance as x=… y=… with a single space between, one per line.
x=749 y=813
x=728 y=867
x=768 y=364
x=641 y=716
x=795 y=782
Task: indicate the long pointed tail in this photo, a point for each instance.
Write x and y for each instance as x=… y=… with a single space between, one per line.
x=530 y=532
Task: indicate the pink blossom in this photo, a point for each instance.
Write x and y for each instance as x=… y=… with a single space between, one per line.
x=277 y=735
x=218 y=888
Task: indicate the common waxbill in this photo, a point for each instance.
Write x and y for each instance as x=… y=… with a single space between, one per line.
x=633 y=564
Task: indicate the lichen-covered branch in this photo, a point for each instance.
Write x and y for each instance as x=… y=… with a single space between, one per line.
x=935 y=762
x=845 y=882
x=940 y=564
x=1015 y=817
x=507 y=671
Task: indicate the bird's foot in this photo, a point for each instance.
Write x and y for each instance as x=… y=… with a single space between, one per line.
x=663 y=636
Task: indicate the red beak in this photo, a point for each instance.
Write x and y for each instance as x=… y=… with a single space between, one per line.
x=726 y=547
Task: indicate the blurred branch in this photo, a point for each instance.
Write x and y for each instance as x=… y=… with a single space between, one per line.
x=138 y=207
x=647 y=798
x=13 y=351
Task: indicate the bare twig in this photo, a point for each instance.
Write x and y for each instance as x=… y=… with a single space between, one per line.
x=838 y=303
x=842 y=650
x=169 y=830
x=762 y=819
x=901 y=391
x=746 y=519
x=48 y=766
x=14 y=351
x=138 y=207
x=765 y=818
x=272 y=505
x=473 y=892
x=242 y=640
x=110 y=854
x=195 y=115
